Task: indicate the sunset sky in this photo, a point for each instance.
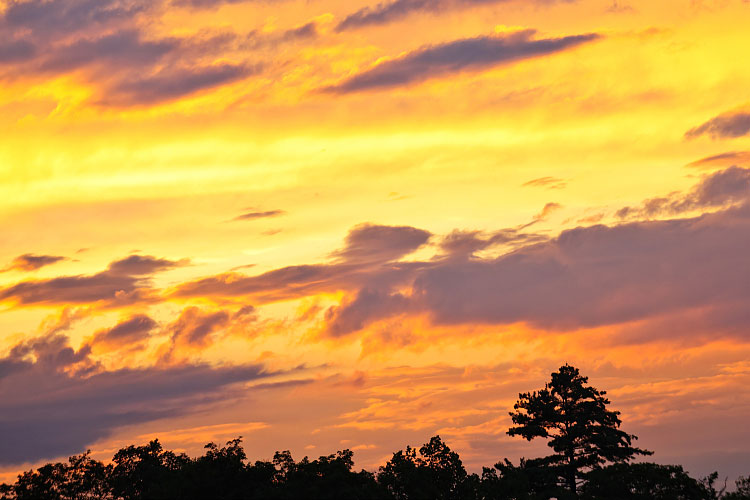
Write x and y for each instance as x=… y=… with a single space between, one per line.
x=323 y=225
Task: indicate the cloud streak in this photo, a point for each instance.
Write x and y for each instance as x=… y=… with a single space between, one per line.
x=139 y=265
x=259 y=215
x=45 y=19
x=731 y=158
x=125 y=47
x=195 y=327
x=596 y=276
x=68 y=402
x=131 y=331
x=454 y=57
x=32 y=262
x=584 y=278
x=725 y=126
x=110 y=42
x=387 y=12
x=12 y=51
x=171 y=83
x=371 y=253
x=373 y=243
x=257 y=39
x=125 y=282
x=722 y=188
x=548 y=182
x=203 y=4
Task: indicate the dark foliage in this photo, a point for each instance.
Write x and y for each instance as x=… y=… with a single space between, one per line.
x=591 y=460
x=435 y=473
x=644 y=481
x=530 y=480
x=574 y=418
x=80 y=478
x=146 y=472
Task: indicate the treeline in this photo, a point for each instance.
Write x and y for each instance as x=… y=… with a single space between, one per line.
x=591 y=459
x=432 y=472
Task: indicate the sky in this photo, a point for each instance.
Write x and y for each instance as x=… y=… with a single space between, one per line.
x=322 y=225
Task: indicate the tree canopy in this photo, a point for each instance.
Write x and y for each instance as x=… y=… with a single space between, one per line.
x=591 y=460
x=574 y=418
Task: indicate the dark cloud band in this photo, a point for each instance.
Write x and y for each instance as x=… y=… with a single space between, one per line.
x=586 y=277
x=32 y=262
x=387 y=12
x=124 y=282
x=454 y=57
x=726 y=126
x=171 y=83
x=68 y=403
x=260 y=215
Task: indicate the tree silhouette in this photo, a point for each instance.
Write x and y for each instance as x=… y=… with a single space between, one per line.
x=436 y=473
x=574 y=418
x=643 y=481
x=742 y=491
x=330 y=477
x=531 y=480
x=403 y=476
x=80 y=478
x=147 y=472
x=591 y=461
x=446 y=471
x=220 y=473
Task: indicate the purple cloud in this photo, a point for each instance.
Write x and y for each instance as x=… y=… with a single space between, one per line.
x=457 y=56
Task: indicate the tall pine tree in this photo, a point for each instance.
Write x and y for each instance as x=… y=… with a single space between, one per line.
x=574 y=418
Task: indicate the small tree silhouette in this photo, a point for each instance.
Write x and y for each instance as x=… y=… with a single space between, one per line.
x=435 y=473
x=574 y=418
x=146 y=472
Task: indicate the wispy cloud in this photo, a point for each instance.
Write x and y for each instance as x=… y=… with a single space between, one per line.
x=464 y=244
x=370 y=251
x=203 y=4
x=133 y=330
x=719 y=189
x=548 y=210
x=387 y=12
x=260 y=215
x=728 y=159
x=194 y=326
x=69 y=402
x=138 y=265
x=370 y=242
x=45 y=19
x=725 y=126
x=457 y=56
x=591 y=276
x=171 y=83
x=16 y=51
x=257 y=39
x=548 y=182
x=124 y=282
x=585 y=277
x=126 y=47
x=113 y=45
x=32 y=262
